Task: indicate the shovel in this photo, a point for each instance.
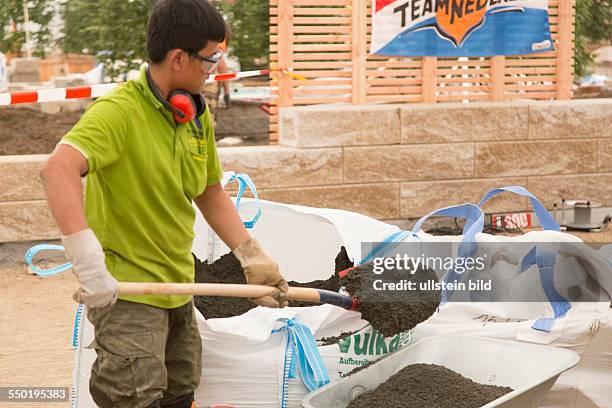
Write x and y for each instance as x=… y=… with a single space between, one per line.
x=342 y=274
x=236 y=290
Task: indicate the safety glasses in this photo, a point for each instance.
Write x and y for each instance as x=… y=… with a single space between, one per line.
x=210 y=62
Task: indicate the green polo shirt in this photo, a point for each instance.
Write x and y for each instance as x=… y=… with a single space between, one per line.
x=144 y=171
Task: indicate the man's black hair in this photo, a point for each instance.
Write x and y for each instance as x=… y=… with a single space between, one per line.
x=184 y=24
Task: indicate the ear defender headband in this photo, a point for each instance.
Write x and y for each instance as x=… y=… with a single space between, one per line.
x=184 y=106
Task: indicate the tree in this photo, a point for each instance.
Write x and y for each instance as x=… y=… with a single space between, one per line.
x=114 y=31
x=249 y=21
x=593 y=25
x=12 y=30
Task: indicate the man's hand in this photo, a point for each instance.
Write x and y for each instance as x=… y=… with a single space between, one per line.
x=98 y=288
x=260 y=269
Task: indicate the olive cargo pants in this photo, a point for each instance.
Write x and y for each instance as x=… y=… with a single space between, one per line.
x=145 y=354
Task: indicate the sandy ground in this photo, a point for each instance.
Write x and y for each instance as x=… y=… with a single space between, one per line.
x=36 y=331
x=37 y=320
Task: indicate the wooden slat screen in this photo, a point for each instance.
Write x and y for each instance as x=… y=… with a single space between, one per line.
x=328 y=42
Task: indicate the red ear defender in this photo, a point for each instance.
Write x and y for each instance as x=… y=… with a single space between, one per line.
x=184 y=106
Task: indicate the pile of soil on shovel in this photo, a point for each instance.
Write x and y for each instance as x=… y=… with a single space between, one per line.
x=343 y=261
x=332 y=284
x=227 y=269
x=388 y=312
x=392 y=312
x=429 y=386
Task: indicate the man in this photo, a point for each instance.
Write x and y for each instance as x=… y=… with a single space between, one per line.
x=223 y=68
x=144 y=168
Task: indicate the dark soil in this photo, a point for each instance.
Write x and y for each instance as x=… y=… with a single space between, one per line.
x=30 y=131
x=429 y=386
x=330 y=284
x=392 y=312
x=244 y=120
x=227 y=269
x=26 y=131
x=326 y=341
x=342 y=260
x=388 y=312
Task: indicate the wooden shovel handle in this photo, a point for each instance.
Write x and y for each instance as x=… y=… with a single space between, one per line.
x=234 y=290
x=213 y=289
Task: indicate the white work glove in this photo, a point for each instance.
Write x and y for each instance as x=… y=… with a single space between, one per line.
x=260 y=269
x=98 y=288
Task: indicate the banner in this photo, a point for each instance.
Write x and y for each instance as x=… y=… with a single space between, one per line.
x=460 y=28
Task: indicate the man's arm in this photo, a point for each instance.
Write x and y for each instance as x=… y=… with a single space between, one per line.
x=61 y=178
x=220 y=213
x=259 y=269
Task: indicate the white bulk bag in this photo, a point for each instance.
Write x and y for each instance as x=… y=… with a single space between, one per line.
x=247 y=359
x=82 y=336
x=534 y=263
x=303 y=240
x=587 y=385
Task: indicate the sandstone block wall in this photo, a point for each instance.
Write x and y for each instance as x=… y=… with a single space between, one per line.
x=452 y=153
x=392 y=161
